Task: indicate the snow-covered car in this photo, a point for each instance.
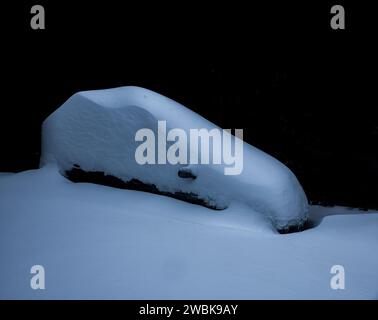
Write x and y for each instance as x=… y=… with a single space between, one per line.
x=92 y=137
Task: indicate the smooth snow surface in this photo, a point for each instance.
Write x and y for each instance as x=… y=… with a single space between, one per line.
x=105 y=243
x=96 y=130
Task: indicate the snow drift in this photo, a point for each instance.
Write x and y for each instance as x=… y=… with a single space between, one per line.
x=95 y=131
x=97 y=242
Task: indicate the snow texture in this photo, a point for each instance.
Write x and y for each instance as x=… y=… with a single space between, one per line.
x=97 y=242
x=96 y=130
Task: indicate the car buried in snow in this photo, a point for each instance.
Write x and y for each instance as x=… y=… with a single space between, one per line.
x=119 y=136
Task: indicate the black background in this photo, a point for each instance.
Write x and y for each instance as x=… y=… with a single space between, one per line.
x=301 y=91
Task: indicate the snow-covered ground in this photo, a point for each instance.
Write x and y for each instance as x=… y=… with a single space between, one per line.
x=100 y=242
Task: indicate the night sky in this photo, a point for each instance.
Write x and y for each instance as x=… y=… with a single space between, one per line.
x=302 y=92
